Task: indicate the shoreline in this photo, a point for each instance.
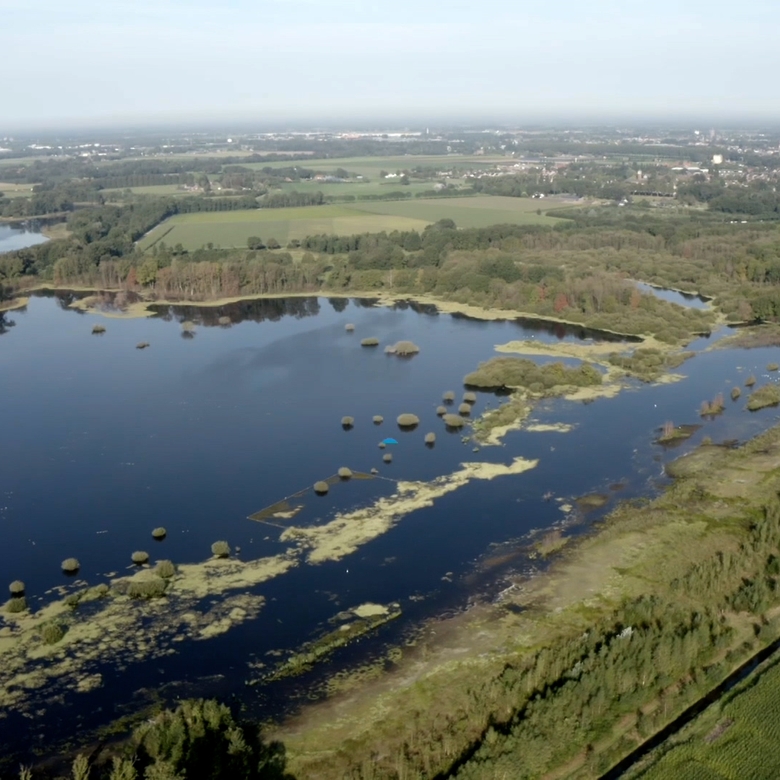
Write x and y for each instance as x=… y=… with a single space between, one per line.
x=382 y=299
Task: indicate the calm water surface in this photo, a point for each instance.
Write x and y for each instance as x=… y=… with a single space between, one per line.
x=19 y=236
x=104 y=442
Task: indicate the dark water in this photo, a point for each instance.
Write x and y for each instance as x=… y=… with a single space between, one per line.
x=688 y=300
x=104 y=442
x=18 y=236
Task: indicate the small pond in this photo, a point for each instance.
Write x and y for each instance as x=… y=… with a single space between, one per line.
x=20 y=235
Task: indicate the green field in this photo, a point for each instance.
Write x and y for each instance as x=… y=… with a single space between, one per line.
x=232 y=228
x=479 y=211
x=356 y=188
x=371 y=166
x=12 y=190
x=155 y=189
x=737 y=738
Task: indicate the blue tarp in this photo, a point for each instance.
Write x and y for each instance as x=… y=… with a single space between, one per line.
x=389 y=441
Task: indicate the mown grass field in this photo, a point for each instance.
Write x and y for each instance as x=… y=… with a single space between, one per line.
x=371 y=166
x=13 y=190
x=156 y=189
x=737 y=738
x=356 y=188
x=479 y=211
x=233 y=228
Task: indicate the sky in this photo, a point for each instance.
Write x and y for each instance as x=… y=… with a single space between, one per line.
x=136 y=62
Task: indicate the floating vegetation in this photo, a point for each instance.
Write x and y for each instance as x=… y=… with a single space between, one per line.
x=773 y=367
x=440 y=410
x=711 y=408
x=750 y=381
x=159 y=533
x=142 y=345
x=139 y=557
x=345 y=533
x=591 y=501
x=549 y=428
x=221 y=549
x=71 y=565
x=16 y=588
x=347 y=422
x=735 y=393
x=98 y=329
x=321 y=488
x=453 y=421
x=16 y=604
x=387 y=458
x=448 y=397
x=165 y=569
x=344 y=472
x=378 y=419
x=403 y=349
x=769 y=395
x=369 y=342
x=408 y=420
x=464 y=409
x=51 y=633
x=469 y=397
x=430 y=439
x=349 y=327
x=368 y=618
x=148 y=588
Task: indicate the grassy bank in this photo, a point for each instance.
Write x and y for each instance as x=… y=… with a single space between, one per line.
x=573 y=669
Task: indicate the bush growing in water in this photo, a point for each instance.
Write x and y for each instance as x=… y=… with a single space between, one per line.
x=440 y=410
x=369 y=342
x=408 y=420
x=52 y=633
x=378 y=419
x=98 y=329
x=321 y=488
x=750 y=381
x=448 y=397
x=16 y=604
x=159 y=533
x=165 y=569
x=70 y=565
x=16 y=588
x=387 y=458
x=349 y=327
x=505 y=372
x=769 y=395
x=142 y=345
x=345 y=473
x=464 y=409
x=139 y=557
x=148 y=588
x=716 y=406
x=430 y=438
x=773 y=367
x=404 y=348
x=220 y=549
x=735 y=393
x=469 y=397
x=347 y=422
x=454 y=420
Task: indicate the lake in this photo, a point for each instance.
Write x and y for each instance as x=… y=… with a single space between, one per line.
x=19 y=236
x=104 y=442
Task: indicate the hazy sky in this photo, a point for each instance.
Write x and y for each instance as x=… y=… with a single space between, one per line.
x=113 y=61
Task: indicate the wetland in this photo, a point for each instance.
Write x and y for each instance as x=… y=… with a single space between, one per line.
x=219 y=430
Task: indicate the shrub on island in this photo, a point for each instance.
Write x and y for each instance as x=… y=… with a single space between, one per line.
x=159 y=533
x=369 y=342
x=453 y=421
x=147 y=588
x=16 y=588
x=408 y=420
x=165 y=569
x=321 y=488
x=139 y=557
x=220 y=549
x=345 y=473
x=71 y=565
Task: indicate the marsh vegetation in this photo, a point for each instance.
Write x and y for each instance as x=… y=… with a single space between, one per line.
x=71 y=565
x=220 y=549
x=97 y=329
x=408 y=420
x=159 y=533
x=768 y=395
x=139 y=557
x=403 y=349
x=506 y=373
x=369 y=342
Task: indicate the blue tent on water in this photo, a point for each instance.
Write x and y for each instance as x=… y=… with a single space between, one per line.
x=389 y=441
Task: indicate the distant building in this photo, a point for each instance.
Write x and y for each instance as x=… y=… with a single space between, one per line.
x=717 y=159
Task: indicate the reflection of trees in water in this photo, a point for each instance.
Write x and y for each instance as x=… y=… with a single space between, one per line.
x=258 y=310
x=5 y=323
x=421 y=308
x=338 y=304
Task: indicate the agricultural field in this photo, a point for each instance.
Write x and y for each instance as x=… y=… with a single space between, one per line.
x=356 y=188
x=233 y=228
x=371 y=166
x=479 y=211
x=734 y=739
x=156 y=189
x=13 y=190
